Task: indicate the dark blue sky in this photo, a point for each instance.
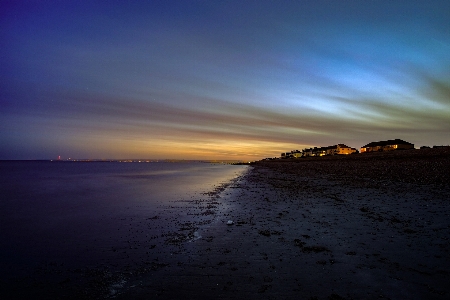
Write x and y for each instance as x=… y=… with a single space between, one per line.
x=228 y=79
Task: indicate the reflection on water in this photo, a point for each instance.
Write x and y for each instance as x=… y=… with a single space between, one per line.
x=76 y=214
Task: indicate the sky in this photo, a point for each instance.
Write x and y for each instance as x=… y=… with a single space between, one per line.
x=220 y=79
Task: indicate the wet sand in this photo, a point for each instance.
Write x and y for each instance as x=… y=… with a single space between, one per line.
x=364 y=226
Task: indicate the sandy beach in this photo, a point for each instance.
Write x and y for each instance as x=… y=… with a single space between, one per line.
x=355 y=227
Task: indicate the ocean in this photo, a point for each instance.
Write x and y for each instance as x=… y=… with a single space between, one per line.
x=60 y=219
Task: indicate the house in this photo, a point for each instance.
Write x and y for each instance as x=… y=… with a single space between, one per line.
x=388 y=145
x=307 y=152
x=329 y=150
x=340 y=149
x=296 y=154
x=316 y=151
x=344 y=149
x=321 y=151
x=292 y=154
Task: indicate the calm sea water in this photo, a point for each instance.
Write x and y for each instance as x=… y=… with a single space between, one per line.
x=76 y=214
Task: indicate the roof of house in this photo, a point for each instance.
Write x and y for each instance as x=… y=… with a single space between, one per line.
x=326 y=148
x=388 y=142
x=343 y=146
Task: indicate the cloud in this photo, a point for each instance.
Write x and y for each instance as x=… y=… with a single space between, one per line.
x=204 y=78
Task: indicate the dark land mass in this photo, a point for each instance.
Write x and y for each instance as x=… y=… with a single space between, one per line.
x=365 y=226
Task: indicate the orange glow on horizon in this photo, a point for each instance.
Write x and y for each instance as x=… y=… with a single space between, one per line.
x=103 y=147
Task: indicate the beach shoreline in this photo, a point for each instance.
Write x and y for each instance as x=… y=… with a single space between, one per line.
x=85 y=230
x=359 y=227
x=365 y=226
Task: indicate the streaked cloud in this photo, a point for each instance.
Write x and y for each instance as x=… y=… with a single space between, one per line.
x=209 y=80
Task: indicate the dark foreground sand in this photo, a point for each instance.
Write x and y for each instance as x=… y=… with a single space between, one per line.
x=355 y=227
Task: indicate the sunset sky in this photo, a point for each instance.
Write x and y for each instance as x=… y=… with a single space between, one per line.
x=220 y=79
